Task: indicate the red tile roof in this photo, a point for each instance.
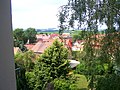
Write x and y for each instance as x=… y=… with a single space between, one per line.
x=44 y=43
x=66 y=35
x=54 y=35
x=42 y=36
x=29 y=46
x=69 y=43
x=41 y=46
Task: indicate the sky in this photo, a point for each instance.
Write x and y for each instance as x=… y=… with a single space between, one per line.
x=36 y=13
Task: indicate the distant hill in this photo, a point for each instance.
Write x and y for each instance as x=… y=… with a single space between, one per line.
x=47 y=30
x=54 y=30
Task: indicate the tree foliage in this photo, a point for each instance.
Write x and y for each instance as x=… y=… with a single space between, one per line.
x=25 y=60
x=89 y=15
x=30 y=33
x=19 y=38
x=19 y=35
x=77 y=35
x=55 y=57
x=53 y=63
x=20 y=77
x=24 y=65
x=22 y=36
x=108 y=82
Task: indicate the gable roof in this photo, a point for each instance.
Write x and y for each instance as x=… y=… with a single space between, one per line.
x=29 y=46
x=41 y=46
x=42 y=36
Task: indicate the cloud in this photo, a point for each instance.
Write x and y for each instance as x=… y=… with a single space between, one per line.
x=35 y=13
x=42 y=18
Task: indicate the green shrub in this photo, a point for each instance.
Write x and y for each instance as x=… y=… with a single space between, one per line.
x=74 y=82
x=108 y=82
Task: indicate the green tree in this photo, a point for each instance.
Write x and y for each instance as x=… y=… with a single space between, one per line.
x=30 y=33
x=79 y=35
x=56 y=57
x=92 y=13
x=76 y=37
x=53 y=63
x=20 y=77
x=25 y=60
x=24 y=69
x=19 y=39
x=104 y=82
x=19 y=35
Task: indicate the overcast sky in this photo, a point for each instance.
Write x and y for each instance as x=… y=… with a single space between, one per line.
x=35 y=13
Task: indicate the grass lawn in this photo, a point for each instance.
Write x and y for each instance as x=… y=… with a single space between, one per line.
x=48 y=32
x=81 y=82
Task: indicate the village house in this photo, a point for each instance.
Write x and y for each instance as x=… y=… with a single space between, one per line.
x=40 y=46
x=44 y=41
x=42 y=37
x=78 y=45
x=66 y=35
x=54 y=36
x=17 y=50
